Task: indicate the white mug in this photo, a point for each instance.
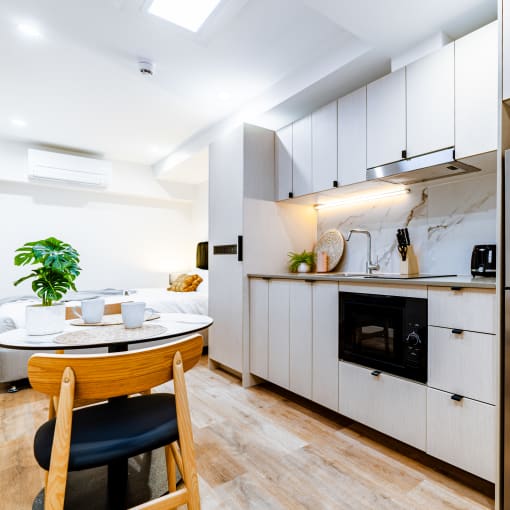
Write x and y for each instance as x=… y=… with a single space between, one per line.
x=92 y=310
x=134 y=314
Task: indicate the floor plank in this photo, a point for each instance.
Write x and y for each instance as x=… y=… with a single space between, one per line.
x=258 y=449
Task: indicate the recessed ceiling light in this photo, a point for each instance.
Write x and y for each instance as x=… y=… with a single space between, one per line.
x=189 y=14
x=29 y=30
x=18 y=123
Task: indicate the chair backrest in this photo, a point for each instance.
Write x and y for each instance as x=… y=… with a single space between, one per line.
x=109 y=309
x=100 y=376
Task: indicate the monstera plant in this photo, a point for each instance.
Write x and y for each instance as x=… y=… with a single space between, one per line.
x=55 y=272
x=58 y=268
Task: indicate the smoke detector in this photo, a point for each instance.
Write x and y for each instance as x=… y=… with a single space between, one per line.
x=146 y=67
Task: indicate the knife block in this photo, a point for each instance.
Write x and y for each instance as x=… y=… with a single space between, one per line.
x=409 y=266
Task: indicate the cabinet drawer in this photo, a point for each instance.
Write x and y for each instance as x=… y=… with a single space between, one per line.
x=471 y=309
x=392 y=405
x=463 y=363
x=462 y=433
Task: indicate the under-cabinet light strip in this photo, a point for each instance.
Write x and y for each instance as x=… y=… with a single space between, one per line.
x=362 y=198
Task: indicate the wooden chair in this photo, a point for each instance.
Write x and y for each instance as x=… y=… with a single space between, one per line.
x=130 y=425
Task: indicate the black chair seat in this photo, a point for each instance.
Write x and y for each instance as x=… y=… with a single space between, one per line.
x=119 y=429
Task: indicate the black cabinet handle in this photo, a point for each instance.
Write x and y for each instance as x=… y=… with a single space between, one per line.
x=456 y=331
x=335 y=184
x=456 y=397
x=404 y=154
x=291 y=195
x=240 y=248
x=455 y=288
x=376 y=373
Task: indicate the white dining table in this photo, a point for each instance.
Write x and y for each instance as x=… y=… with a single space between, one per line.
x=173 y=325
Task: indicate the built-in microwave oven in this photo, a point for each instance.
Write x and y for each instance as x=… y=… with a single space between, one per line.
x=388 y=333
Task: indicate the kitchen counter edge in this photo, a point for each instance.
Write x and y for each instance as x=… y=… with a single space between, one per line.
x=465 y=281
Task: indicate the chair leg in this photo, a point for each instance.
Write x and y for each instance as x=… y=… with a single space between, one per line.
x=170 y=469
x=189 y=472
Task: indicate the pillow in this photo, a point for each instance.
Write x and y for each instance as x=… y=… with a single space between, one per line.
x=186 y=283
x=6 y=324
x=204 y=274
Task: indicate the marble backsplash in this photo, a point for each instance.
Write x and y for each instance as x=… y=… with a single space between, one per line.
x=445 y=220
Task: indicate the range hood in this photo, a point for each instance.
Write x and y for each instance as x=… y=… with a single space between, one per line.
x=434 y=165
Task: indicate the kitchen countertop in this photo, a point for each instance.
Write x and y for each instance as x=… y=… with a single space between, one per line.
x=466 y=281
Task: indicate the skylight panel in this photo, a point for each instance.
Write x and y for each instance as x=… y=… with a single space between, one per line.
x=188 y=14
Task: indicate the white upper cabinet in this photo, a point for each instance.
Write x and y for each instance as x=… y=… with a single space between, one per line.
x=283 y=162
x=430 y=85
x=302 y=156
x=352 y=137
x=476 y=92
x=386 y=119
x=324 y=148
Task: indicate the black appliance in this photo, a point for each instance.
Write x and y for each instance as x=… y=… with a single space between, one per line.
x=388 y=333
x=483 y=260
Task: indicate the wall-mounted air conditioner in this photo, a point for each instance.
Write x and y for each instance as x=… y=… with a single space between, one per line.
x=67 y=169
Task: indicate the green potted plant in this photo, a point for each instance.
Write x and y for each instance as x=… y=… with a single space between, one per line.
x=57 y=268
x=301 y=262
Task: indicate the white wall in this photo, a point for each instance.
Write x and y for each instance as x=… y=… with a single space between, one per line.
x=130 y=236
x=200 y=212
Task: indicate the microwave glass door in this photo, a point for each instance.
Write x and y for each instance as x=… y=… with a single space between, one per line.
x=374 y=332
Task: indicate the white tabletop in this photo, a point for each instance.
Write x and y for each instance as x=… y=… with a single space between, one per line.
x=176 y=324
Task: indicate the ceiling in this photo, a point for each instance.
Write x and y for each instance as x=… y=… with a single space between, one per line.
x=267 y=61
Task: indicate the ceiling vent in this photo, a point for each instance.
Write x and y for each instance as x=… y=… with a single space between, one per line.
x=67 y=169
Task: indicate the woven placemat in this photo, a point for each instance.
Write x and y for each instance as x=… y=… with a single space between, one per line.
x=117 y=333
x=110 y=320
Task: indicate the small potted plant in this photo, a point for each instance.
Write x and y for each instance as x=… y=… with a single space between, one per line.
x=57 y=269
x=301 y=262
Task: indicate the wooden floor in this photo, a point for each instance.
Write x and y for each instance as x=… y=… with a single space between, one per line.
x=258 y=449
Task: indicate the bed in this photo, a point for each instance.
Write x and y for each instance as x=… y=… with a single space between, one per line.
x=12 y=314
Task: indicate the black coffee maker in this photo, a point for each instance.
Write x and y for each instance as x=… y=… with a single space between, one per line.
x=483 y=260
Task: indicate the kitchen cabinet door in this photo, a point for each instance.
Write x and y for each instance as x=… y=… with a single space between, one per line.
x=302 y=156
x=226 y=306
x=463 y=362
x=476 y=92
x=324 y=148
x=352 y=137
x=279 y=333
x=300 y=327
x=430 y=83
x=462 y=433
x=283 y=162
x=259 y=332
x=226 y=188
x=392 y=405
x=386 y=119
x=325 y=344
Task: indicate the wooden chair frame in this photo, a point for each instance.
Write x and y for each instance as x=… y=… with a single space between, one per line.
x=102 y=376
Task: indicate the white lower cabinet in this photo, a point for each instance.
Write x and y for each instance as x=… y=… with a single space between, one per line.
x=462 y=362
x=325 y=344
x=392 y=405
x=300 y=338
x=278 y=332
x=259 y=330
x=462 y=433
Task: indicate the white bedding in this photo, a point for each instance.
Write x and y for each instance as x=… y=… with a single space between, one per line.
x=161 y=300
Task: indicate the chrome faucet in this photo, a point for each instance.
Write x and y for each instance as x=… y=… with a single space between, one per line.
x=370 y=265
